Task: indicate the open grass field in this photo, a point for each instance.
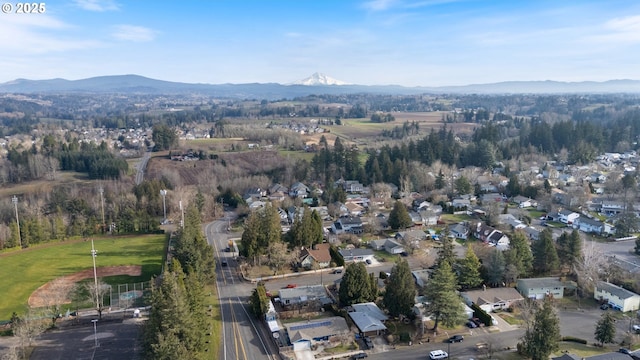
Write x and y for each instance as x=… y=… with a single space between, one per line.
x=26 y=270
x=44 y=186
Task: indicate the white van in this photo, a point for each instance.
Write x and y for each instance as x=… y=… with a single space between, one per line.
x=438 y=354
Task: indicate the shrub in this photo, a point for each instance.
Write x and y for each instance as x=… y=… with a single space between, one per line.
x=574 y=339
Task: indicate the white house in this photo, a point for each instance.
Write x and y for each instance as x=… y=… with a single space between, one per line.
x=567 y=216
x=617 y=297
x=356 y=255
x=593 y=226
x=459 y=231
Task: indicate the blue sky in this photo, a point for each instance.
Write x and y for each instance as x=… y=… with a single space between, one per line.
x=370 y=42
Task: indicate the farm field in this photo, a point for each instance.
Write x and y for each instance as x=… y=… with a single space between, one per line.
x=25 y=271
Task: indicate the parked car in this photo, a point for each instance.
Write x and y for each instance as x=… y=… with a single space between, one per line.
x=291 y=286
x=636 y=328
x=368 y=342
x=471 y=324
x=604 y=307
x=438 y=354
x=224 y=263
x=455 y=339
x=359 y=356
x=368 y=261
x=337 y=271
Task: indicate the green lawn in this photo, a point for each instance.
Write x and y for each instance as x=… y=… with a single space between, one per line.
x=24 y=271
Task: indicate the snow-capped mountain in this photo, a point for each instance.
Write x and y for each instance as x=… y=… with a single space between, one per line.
x=318 y=79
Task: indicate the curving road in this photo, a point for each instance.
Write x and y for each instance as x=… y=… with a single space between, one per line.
x=243 y=337
x=142 y=165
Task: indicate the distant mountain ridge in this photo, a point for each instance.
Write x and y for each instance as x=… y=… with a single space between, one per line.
x=315 y=84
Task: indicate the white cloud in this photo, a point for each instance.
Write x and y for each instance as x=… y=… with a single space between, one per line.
x=133 y=33
x=620 y=30
x=20 y=35
x=97 y=5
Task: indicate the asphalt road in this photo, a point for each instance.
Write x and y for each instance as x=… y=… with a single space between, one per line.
x=142 y=165
x=244 y=338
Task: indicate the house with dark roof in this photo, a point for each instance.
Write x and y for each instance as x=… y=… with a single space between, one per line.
x=459 y=231
x=299 y=190
x=617 y=297
x=314 y=296
x=347 y=224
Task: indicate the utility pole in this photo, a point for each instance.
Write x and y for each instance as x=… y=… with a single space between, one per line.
x=94 y=253
x=95 y=334
x=14 y=200
x=182 y=212
x=163 y=193
x=101 y=191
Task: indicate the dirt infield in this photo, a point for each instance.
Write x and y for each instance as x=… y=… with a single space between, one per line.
x=44 y=295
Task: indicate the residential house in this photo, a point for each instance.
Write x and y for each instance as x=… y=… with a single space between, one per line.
x=275 y=188
x=313 y=296
x=256 y=193
x=352 y=186
x=299 y=190
x=416 y=218
x=491 y=197
x=355 y=209
x=460 y=203
x=430 y=216
x=524 y=202
x=532 y=233
x=318 y=257
x=539 y=288
x=304 y=334
x=356 y=255
x=592 y=226
x=459 y=231
x=421 y=276
x=368 y=318
x=490 y=299
x=611 y=208
x=511 y=221
x=617 y=297
x=348 y=224
x=499 y=240
x=411 y=236
x=597 y=178
x=567 y=216
x=389 y=245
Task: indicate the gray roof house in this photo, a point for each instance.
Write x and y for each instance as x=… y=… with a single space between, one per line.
x=617 y=297
x=367 y=324
x=304 y=295
x=304 y=333
x=539 y=288
x=389 y=245
x=356 y=254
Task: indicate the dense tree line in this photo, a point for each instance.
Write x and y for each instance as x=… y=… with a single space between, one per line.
x=178 y=323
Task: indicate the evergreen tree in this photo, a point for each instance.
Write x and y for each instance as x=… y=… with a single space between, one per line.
x=545 y=256
x=259 y=301
x=570 y=249
x=463 y=186
x=519 y=254
x=400 y=292
x=469 y=274
x=355 y=287
x=440 y=180
x=543 y=337
x=495 y=267
x=446 y=252
x=399 y=217
x=605 y=329
x=444 y=304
